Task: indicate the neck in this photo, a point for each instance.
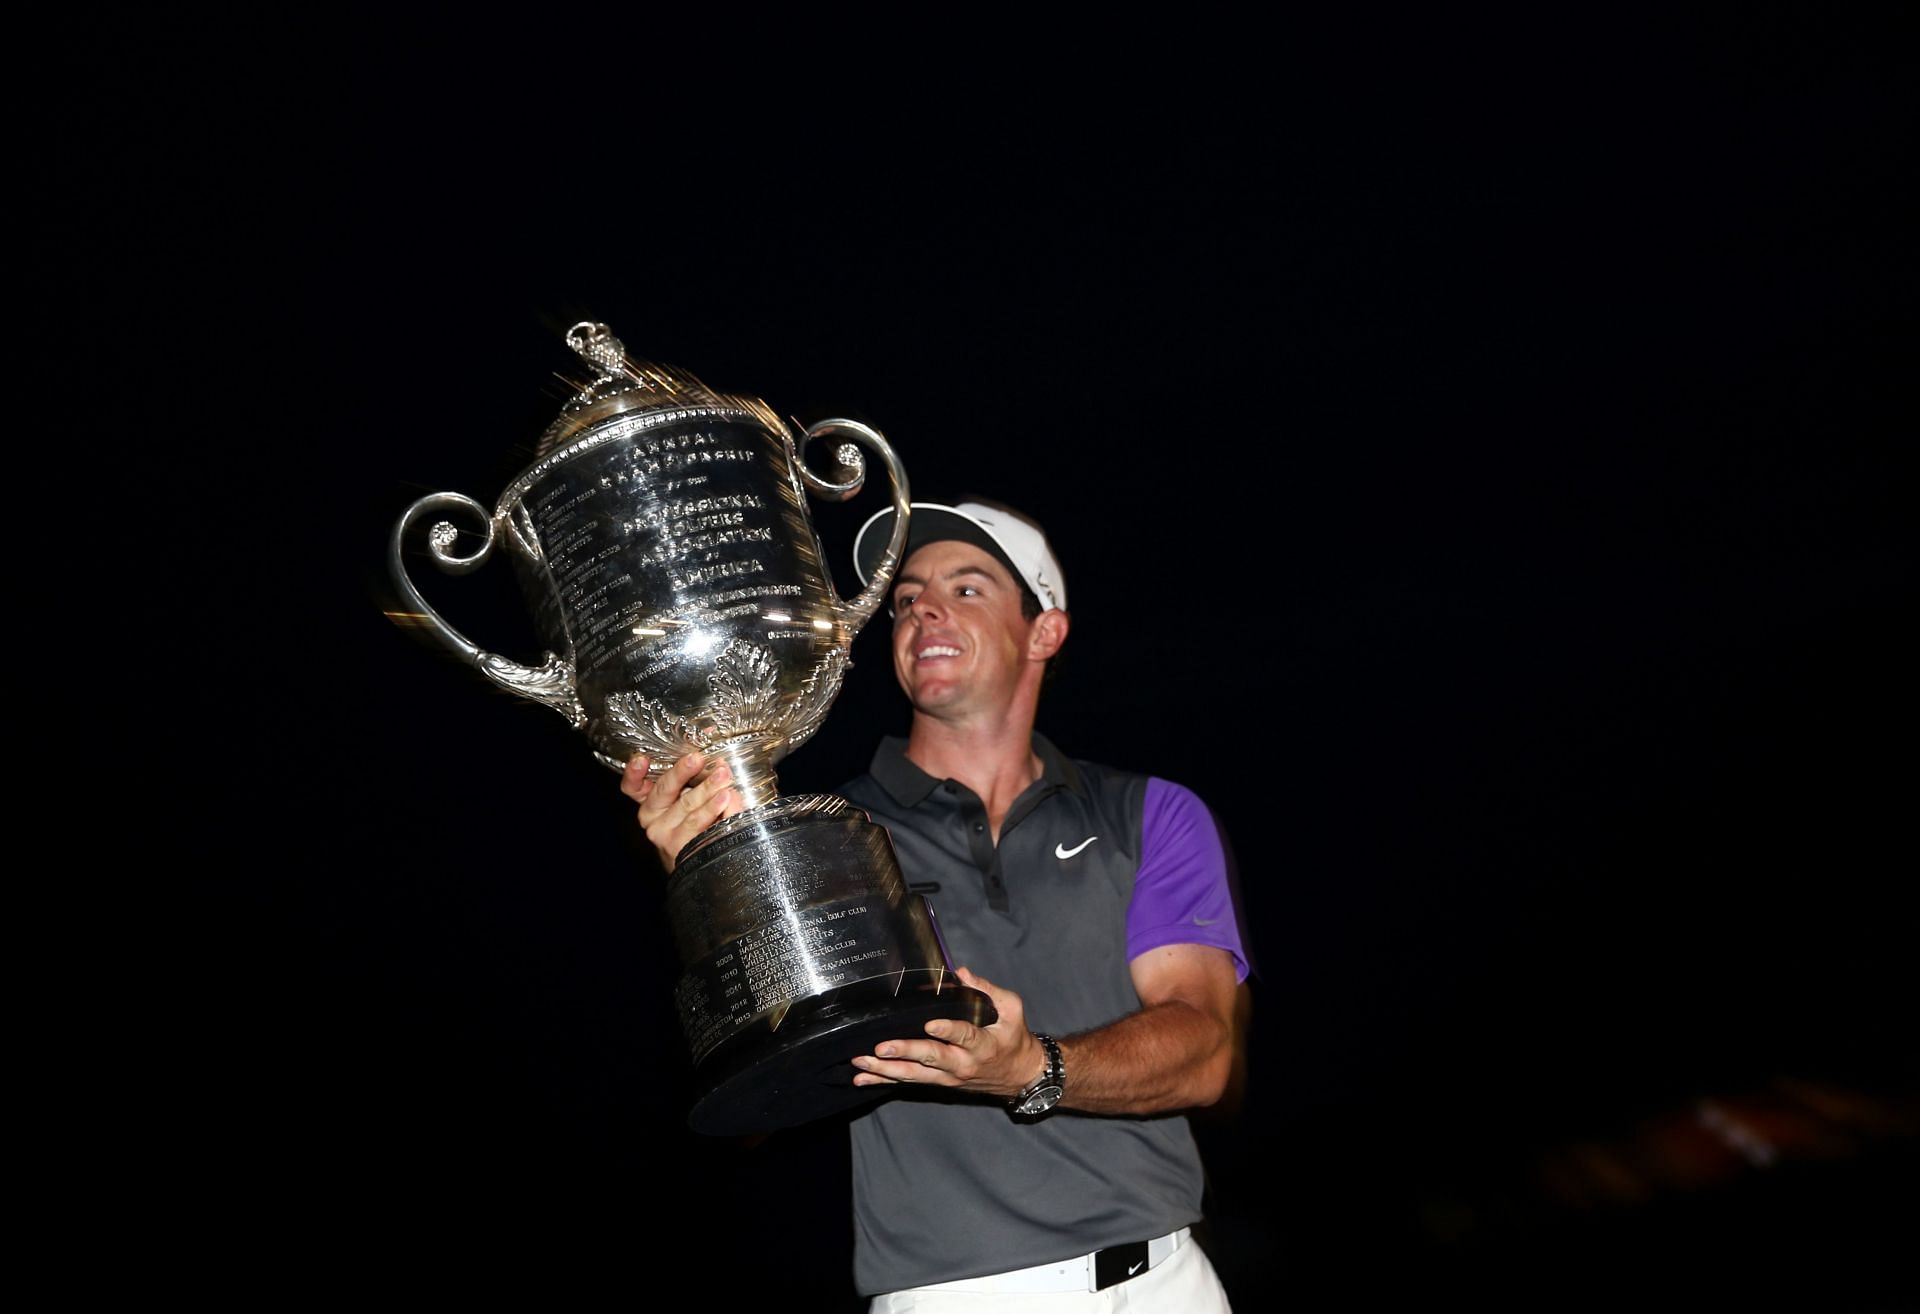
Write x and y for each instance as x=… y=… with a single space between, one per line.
x=996 y=761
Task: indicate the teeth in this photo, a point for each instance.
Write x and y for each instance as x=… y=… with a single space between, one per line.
x=938 y=651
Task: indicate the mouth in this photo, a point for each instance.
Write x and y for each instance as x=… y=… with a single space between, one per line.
x=933 y=650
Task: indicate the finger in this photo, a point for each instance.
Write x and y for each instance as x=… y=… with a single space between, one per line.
x=666 y=789
x=710 y=809
x=1005 y=1002
x=925 y=1055
x=954 y=1031
x=684 y=770
x=633 y=780
x=671 y=828
x=697 y=796
x=705 y=802
x=905 y=1072
x=698 y=799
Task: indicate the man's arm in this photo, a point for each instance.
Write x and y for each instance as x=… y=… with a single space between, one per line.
x=1176 y=1052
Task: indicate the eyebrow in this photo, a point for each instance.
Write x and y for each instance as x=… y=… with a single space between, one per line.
x=955 y=573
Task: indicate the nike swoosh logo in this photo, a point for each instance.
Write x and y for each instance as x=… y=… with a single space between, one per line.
x=1135 y=1268
x=1062 y=851
x=1205 y=921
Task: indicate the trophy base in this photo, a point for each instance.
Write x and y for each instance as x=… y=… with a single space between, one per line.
x=761 y=1081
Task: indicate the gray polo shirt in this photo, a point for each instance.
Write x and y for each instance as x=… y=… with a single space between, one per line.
x=1093 y=868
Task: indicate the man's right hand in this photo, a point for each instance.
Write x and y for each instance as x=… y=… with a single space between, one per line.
x=673 y=812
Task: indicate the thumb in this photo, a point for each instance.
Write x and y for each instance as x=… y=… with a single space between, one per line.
x=1005 y=1001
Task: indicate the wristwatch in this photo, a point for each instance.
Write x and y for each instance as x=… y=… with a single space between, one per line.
x=1048 y=1087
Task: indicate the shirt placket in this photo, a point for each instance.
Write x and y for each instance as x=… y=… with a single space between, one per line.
x=985 y=854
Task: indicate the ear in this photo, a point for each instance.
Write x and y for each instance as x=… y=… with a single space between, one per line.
x=1047 y=632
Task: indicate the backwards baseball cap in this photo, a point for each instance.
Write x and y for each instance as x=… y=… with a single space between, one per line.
x=1019 y=544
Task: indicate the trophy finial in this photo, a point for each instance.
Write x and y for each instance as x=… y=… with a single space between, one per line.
x=620 y=385
x=595 y=344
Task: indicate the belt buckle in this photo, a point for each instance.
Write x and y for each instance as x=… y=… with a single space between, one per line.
x=1116 y=1264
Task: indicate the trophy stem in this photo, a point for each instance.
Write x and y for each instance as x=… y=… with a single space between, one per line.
x=750 y=759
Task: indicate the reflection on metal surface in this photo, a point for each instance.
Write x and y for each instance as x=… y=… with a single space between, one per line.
x=663 y=541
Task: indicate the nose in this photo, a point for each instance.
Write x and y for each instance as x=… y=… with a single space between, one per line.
x=920 y=608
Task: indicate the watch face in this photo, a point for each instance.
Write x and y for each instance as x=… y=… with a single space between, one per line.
x=1041 y=1100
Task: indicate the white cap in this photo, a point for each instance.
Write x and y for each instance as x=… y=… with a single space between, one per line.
x=1020 y=544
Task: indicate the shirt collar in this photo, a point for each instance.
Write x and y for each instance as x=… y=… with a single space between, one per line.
x=1056 y=768
x=910 y=786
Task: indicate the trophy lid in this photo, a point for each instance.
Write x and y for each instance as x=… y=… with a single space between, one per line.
x=620 y=385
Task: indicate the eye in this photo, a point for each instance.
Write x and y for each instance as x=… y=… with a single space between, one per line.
x=967 y=591
x=901 y=601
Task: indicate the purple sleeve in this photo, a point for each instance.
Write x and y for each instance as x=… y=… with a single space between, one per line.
x=1180 y=894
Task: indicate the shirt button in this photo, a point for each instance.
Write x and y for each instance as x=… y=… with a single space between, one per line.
x=978 y=827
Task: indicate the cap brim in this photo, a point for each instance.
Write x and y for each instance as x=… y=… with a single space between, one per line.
x=931 y=523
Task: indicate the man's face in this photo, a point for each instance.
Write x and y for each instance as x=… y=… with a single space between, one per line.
x=959 y=641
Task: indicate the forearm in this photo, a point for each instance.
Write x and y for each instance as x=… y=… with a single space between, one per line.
x=1176 y=1052
x=1169 y=1055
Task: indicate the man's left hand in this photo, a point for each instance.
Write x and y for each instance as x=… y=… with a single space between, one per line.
x=1001 y=1060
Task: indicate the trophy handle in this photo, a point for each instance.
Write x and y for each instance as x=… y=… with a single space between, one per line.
x=550 y=683
x=860 y=610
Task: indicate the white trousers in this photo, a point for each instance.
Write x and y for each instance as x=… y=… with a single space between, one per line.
x=1184 y=1284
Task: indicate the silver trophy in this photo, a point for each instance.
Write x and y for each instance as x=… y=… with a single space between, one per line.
x=662 y=539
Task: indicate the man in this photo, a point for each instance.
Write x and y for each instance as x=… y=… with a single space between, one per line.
x=1088 y=902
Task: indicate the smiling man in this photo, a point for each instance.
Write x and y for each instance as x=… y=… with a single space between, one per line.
x=1042 y=1160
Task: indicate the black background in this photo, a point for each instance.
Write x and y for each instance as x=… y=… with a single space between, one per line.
x=1474 y=458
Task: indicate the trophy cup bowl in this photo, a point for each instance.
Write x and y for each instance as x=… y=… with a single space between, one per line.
x=663 y=542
